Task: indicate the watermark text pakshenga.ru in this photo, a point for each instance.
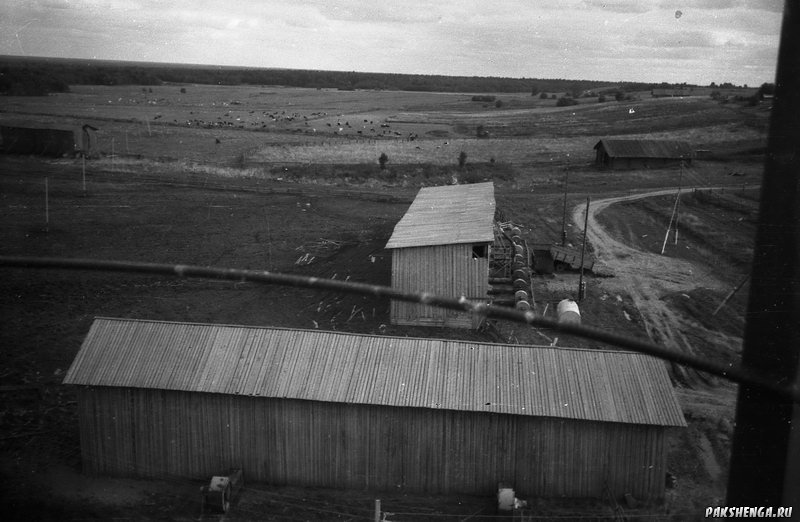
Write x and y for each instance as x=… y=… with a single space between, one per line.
x=748 y=512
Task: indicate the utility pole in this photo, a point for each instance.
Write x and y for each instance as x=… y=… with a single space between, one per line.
x=678 y=202
x=564 y=217
x=581 y=287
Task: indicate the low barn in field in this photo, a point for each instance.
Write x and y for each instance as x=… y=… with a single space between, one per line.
x=48 y=139
x=641 y=154
x=328 y=409
x=442 y=246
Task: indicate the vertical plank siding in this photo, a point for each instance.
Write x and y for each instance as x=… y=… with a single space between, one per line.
x=157 y=433
x=446 y=270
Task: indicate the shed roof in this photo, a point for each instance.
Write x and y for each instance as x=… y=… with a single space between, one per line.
x=631 y=148
x=594 y=385
x=69 y=127
x=447 y=215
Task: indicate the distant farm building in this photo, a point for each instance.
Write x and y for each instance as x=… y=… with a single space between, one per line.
x=641 y=154
x=442 y=246
x=327 y=409
x=48 y=139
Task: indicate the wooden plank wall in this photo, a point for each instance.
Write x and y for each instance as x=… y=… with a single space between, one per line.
x=446 y=270
x=154 y=433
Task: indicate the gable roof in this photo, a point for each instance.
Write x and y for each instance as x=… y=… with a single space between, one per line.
x=633 y=148
x=447 y=215
x=595 y=385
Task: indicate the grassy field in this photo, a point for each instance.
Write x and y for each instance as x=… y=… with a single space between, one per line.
x=221 y=176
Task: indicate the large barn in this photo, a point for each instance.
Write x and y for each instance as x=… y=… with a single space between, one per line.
x=641 y=154
x=442 y=246
x=47 y=139
x=329 y=409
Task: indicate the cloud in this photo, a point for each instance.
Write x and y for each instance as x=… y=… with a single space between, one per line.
x=619 y=6
x=673 y=39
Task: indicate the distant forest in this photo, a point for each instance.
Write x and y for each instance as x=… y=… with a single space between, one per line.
x=22 y=76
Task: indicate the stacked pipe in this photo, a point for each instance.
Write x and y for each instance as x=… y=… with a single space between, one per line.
x=521 y=274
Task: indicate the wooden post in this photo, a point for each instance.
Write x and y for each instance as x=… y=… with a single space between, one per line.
x=112 y=154
x=377 y=510
x=583 y=250
x=765 y=450
x=83 y=172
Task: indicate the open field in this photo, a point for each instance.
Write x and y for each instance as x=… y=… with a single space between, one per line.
x=282 y=198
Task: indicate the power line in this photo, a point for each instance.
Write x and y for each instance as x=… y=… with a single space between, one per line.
x=731 y=372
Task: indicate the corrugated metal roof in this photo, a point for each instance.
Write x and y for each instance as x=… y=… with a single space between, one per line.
x=447 y=215
x=595 y=385
x=621 y=148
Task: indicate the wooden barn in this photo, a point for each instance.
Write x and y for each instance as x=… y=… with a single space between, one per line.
x=48 y=139
x=442 y=246
x=641 y=154
x=328 y=409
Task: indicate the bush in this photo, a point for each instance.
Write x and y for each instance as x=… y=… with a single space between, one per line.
x=543 y=96
x=566 y=101
x=462 y=159
x=601 y=99
x=483 y=98
x=383 y=159
x=498 y=103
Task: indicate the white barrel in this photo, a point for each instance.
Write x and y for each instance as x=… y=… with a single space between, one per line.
x=568 y=312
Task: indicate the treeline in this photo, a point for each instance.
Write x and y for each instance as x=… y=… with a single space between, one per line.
x=37 y=76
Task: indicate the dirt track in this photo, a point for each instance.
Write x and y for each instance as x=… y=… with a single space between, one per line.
x=647 y=277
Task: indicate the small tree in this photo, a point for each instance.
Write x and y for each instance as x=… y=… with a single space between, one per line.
x=183 y=90
x=462 y=159
x=543 y=96
x=601 y=99
x=383 y=159
x=498 y=103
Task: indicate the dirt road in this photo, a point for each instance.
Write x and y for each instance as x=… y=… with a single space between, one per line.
x=647 y=277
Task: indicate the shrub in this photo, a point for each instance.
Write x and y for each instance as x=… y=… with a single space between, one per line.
x=601 y=99
x=382 y=159
x=566 y=101
x=462 y=159
x=498 y=103
x=543 y=96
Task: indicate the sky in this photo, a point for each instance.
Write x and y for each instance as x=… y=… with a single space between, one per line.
x=675 y=41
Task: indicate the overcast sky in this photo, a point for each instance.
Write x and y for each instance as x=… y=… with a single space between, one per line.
x=694 y=41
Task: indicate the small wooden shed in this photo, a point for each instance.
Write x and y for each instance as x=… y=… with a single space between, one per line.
x=442 y=246
x=641 y=154
x=48 y=139
x=329 y=409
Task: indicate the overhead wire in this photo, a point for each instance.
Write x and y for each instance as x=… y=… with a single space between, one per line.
x=732 y=372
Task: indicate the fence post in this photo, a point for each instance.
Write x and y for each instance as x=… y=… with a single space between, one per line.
x=377 y=510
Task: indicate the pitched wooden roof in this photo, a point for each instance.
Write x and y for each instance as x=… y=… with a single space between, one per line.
x=634 y=148
x=594 y=385
x=447 y=215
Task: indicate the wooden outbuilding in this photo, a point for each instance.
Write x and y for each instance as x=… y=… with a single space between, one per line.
x=48 y=139
x=442 y=246
x=328 y=409
x=616 y=153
